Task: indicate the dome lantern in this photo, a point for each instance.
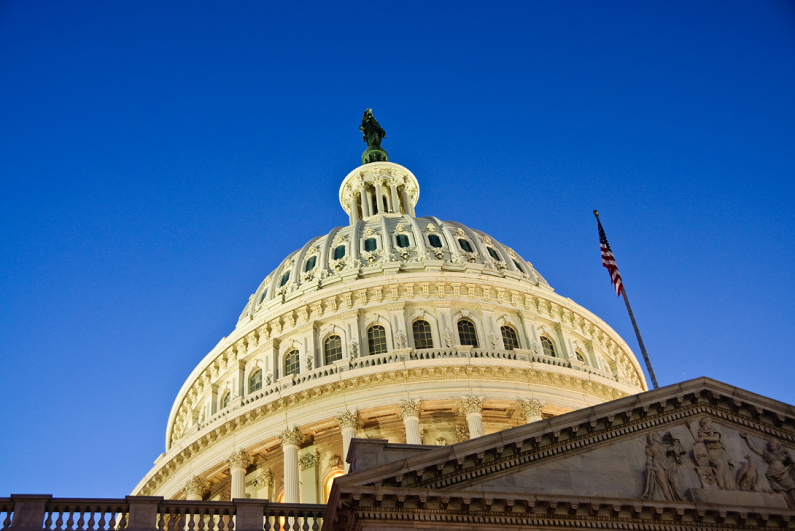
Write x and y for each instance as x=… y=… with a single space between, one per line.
x=379 y=188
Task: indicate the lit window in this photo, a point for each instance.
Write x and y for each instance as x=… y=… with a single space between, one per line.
x=285 y=278
x=310 y=264
x=264 y=294
x=370 y=244
x=255 y=381
x=332 y=349
x=422 y=334
x=291 y=363
x=339 y=252
x=402 y=240
x=494 y=254
x=376 y=339
x=520 y=268
x=330 y=482
x=465 y=245
x=466 y=332
x=225 y=400
x=549 y=348
x=509 y=338
x=434 y=240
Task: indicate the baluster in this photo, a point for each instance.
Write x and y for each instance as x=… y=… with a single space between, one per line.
x=267 y=523
x=80 y=520
x=190 y=515
x=200 y=522
x=70 y=521
x=305 y=527
x=315 y=526
x=101 y=523
x=47 y=522
x=91 y=521
x=59 y=521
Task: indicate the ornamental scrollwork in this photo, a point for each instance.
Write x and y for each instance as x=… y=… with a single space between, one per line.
x=409 y=408
x=348 y=419
x=400 y=339
x=462 y=433
x=371 y=256
x=309 y=460
x=197 y=486
x=239 y=459
x=471 y=404
x=531 y=409
x=264 y=479
x=291 y=437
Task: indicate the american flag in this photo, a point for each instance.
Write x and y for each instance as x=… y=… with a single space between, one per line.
x=608 y=260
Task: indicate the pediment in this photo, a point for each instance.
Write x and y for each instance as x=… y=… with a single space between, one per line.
x=700 y=442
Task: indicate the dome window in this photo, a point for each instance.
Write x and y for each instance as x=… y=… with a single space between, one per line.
x=332 y=349
x=467 y=333
x=465 y=245
x=494 y=254
x=225 y=400
x=422 y=334
x=520 y=268
x=402 y=240
x=291 y=363
x=370 y=244
x=310 y=264
x=376 y=339
x=255 y=381
x=549 y=348
x=434 y=240
x=264 y=294
x=285 y=278
x=339 y=252
x=580 y=357
x=509 y=338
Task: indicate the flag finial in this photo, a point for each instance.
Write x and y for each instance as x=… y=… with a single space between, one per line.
x=596 y=213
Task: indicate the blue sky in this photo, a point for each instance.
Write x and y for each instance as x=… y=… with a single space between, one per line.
x=157 y=160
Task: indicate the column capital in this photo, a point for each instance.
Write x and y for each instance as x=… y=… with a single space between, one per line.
x=531 y=409
x=409 y=408
x=264 y=478
x=197 y=486
x=471 y=404
x=348 y=419
x=239 y=459
x=309 y=460
x=291 y=437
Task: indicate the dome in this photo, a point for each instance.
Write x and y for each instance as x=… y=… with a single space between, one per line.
x=396 y=327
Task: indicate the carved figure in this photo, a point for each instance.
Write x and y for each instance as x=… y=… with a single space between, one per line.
x=663 y=473
x=748 y=475
x=448 y=338
x=722 y=468
x=400 y=339
x=268 y=378
x=353 y=349
x=780 y=467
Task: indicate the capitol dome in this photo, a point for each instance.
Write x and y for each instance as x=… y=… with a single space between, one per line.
x=396 y=327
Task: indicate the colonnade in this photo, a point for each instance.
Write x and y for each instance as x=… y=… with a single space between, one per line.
x=371 y=198
x=291 y=438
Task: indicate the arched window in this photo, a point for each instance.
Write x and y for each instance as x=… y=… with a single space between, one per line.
x=422 y=334
x=330 y=482
x=370 y=244
x=255 y=381
x=339 y=252
x=386 y=205
x=434 y=240
x=225 y=400
x=310 y=264
x=509 y=337
x=376 y=339
x=580 y=356
x=467 y=333
x=291 y=363
x=465 y=245
x=332 y=349
x=264 y=294
x=402 y=240
x=285 y=278
x=549 y=348
x=494 y=254
x=521 y=270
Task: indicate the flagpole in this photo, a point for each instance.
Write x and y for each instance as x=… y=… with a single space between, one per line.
x=635 y=326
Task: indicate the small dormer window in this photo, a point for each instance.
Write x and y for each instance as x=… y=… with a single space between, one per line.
x=339 y=252
x=465 y=245
x=310 y=264
x=434 y=240
x=402 y=240
x=370 y=244
x=520 y=268
x=285 y=278
x=494 y=254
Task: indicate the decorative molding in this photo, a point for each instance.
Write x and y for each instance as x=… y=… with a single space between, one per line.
x=309 y=460
x=239 y=459
x=471 y=405
x=409 y=408
x=291 y=437
x=348 y=419
x=531 y=409
x=197 y=486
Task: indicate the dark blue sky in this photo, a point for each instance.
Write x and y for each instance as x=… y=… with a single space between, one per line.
x=158 y=159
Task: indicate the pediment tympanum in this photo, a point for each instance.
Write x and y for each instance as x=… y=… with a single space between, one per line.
x=699 y=452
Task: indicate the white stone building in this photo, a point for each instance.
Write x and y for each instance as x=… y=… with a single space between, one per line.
x=396 y=327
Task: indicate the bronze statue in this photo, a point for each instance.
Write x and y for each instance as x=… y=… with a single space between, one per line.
x=372 y=134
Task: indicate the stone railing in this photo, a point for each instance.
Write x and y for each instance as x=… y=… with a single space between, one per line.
x=153 y=513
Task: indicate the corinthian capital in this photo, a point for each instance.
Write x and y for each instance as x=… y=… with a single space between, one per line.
x=348 y=419
x=292 y=437
x=409 y=408
x=471 y=404
x=196 y=486
x=239 y=459
x=531 y=409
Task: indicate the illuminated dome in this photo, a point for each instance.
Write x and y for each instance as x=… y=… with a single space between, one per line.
x=396 y=327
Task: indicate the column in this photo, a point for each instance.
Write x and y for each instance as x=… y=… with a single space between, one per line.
x=354 y=216
x=240 y=388
x=238 y=461
x=531 y=410
x=370 y=204
x=348 y=422
x=410 y=413
x=395 y=199
x=379 y=205
x=309 y=463
x=365 y=204
x=472 y=409
x=195 y=488
x=291 y=439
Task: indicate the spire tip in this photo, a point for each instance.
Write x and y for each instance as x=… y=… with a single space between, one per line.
x=596 y=213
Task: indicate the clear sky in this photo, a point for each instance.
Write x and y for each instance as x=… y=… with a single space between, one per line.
x=159 y=159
